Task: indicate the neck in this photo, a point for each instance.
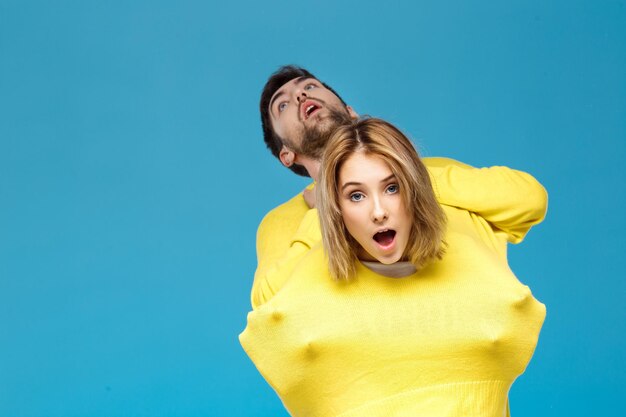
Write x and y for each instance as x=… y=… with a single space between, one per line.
x=311 y=165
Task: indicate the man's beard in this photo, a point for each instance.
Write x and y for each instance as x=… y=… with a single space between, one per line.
x=315 y=138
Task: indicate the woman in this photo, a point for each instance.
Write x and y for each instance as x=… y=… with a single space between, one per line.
x=422 y=315
x=364 y=213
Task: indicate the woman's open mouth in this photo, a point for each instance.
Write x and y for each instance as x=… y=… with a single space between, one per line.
x=385 y=238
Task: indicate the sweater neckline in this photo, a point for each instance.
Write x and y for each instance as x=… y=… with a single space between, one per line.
x=395 y=270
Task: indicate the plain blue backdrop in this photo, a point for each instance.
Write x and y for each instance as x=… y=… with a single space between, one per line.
x=133 y=176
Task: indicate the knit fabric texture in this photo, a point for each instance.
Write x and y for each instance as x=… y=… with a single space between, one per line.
x=448 y=340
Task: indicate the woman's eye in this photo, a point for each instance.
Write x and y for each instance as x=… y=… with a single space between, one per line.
x=310 y=86
x=282 y=106
x=392 y=189
x=356 y=197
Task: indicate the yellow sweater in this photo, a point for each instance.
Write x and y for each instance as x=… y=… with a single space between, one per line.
x=446 y=341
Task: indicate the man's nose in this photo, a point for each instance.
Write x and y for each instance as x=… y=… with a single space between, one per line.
x=300 y=96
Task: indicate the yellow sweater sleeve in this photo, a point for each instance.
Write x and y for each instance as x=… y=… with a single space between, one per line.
x=284 y=236
x=511 y=201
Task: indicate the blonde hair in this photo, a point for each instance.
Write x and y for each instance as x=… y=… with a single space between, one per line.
x=377 y=137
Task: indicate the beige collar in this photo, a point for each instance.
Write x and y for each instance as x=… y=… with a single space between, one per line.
x=395 y=270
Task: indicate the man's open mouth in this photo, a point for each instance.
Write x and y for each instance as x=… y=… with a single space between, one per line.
x=309 y=109
x=385 y=237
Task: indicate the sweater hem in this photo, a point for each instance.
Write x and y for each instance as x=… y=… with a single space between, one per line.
x=461 y=399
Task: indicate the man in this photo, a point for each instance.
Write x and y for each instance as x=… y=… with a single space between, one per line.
x=298 y=112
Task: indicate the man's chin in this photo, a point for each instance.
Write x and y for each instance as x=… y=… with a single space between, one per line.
x=327 y=122
x=324 y=125
x=316 y=136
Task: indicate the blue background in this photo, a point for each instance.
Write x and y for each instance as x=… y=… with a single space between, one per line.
x=133 y=177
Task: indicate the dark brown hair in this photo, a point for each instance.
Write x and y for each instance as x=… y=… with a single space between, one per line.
x=279 y=78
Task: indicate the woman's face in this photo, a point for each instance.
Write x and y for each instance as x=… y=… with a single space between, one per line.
x=372 y=208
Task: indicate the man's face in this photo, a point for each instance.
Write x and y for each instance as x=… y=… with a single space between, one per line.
x=303 y=112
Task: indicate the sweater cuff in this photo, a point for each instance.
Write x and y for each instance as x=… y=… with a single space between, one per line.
x=308 y=232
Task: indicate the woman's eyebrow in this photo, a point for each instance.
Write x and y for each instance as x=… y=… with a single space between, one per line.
x=350 y=183
x=392 y=176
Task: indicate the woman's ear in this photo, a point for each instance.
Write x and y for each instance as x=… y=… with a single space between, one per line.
x=286 y=156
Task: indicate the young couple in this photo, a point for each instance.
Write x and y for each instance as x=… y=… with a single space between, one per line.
x=384 y=290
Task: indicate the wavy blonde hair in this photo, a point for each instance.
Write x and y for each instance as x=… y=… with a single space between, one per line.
x=378 y=137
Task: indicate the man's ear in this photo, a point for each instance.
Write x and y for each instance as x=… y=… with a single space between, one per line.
x=286 y=156
x=352 y=113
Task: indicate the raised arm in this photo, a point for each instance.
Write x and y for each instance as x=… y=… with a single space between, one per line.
x=511 y=201
x=284 y=236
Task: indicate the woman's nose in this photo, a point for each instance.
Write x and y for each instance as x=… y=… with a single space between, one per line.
x=379 y=213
